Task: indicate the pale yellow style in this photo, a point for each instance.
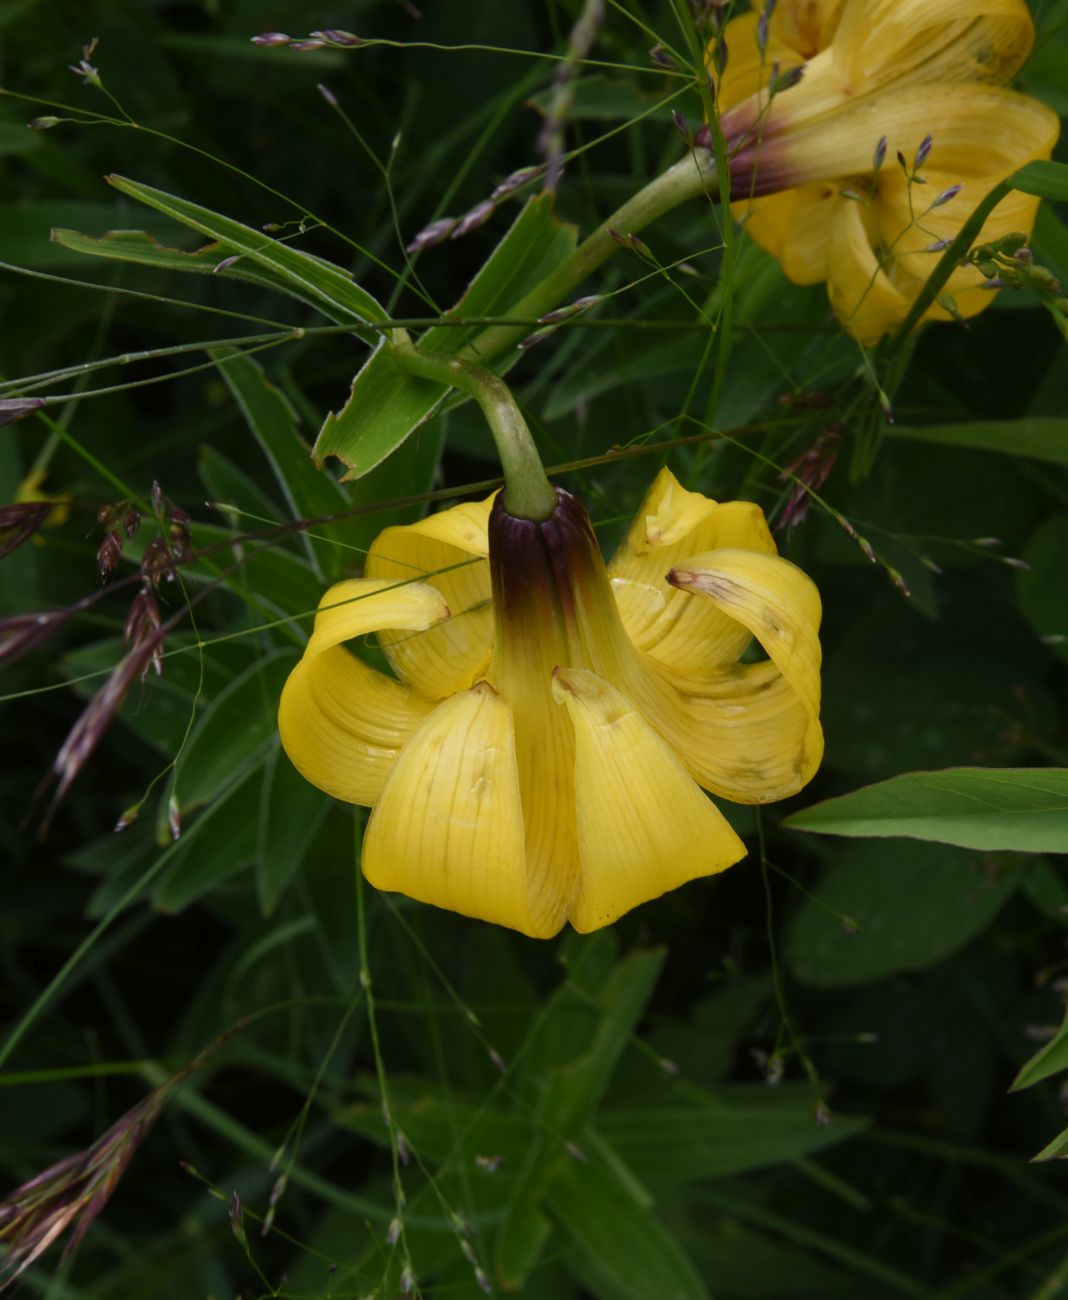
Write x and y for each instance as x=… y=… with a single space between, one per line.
x=538 y=755
x=899 y=70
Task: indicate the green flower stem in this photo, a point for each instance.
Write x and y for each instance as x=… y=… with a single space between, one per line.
x=691 y=178
x=528 y=494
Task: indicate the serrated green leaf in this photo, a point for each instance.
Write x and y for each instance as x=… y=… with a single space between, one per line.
x=329 y=287
x=1020 y=809
x=1039 y=438
x=386 y=405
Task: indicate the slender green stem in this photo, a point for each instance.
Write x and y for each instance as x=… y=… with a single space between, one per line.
x=528 y=494
x=691 y=178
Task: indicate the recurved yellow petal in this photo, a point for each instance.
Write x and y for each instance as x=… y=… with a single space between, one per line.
x=978 y=131
x=932 y=41
x=644 y=826
x=448 y=826
x=796 y=227
x=775 y=600
x=448 y=550
x=671 y=524
x=749 y=732
x=341 y=722
x=864 y=297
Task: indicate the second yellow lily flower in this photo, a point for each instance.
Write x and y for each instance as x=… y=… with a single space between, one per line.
x=814 y=167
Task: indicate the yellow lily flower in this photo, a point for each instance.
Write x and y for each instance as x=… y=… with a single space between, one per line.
x=538 y=755
x=874 y=78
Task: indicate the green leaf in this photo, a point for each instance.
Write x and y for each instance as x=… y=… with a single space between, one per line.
x=573 y=1091
x=144 y=249
x=272 y=582
x=233 y=731
x=309 y=492
x=1041 y=586
x=735 y=1129
x=217 y=845
x=912 y=904
x=329 y=287
x=291 y=812
x=386 y=405
x=1050 y=1059
x=25 y=228
x=1036 y=437
x=1022 y=809
x=1048 y=180
x=1056 y=1150
x=625 y=1252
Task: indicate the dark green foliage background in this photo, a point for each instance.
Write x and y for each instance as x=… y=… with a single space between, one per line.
x=898 y=985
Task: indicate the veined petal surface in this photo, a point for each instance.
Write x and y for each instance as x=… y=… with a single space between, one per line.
x=341 y=722
x=448 y=826
x=644 y=826
x=448 y=550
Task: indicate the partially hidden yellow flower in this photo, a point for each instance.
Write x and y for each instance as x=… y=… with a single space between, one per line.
x=813 y=164
x=32 y=489
x=538 y=755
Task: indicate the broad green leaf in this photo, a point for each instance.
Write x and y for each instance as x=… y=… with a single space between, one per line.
x=1049 y=180
x=733 y=1130
x=1050 y=1059
x=233 y=731
x=329 y=287
x=144 y=249
x=385 y=405
x=291 y=812
x=1039 y=438
x=1022 y=809
x=625 y=1252
x=912 y=905
x=309 y=492
x=1041 y=587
